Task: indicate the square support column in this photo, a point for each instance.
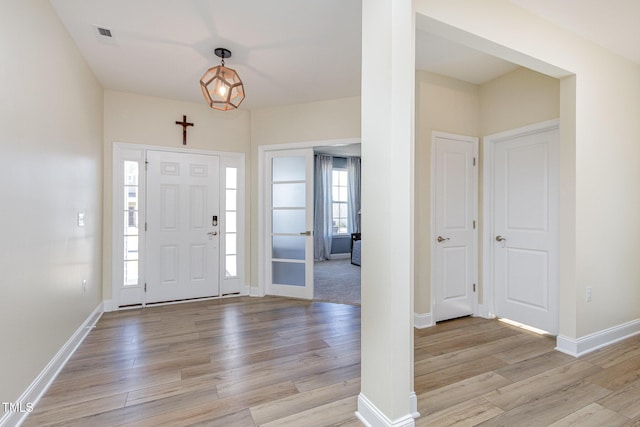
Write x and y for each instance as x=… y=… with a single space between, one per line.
x=388 y=80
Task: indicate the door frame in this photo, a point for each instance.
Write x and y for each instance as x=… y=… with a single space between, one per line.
x=475 y=141
x=263 y=206
x=487 y=308
x=137 y=152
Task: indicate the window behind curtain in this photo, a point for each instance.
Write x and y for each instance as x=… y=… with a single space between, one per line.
x=339 y=193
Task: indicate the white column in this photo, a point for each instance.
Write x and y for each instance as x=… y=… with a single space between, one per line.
x=388 y=76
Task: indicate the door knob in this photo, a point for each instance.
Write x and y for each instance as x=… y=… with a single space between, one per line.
x=500 y=238
x=305 y=233
x=441 y=239
x=212 y=233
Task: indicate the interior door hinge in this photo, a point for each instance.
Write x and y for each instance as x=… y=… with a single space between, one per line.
x=145 y=226
x=474 y=224
x=474 y=161
x=145 y=287
x=474 y=287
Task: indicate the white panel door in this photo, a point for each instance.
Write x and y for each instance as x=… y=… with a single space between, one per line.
x=182 y=226
x=290 y=223
x=525 y=229
x=454 y=259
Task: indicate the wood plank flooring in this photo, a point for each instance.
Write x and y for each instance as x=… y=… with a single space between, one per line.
x=281 y=362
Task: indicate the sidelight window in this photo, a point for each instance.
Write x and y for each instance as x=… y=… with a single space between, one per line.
x=230 y=223
x=131 y=230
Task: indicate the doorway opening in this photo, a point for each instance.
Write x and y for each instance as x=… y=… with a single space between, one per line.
x=329 y=273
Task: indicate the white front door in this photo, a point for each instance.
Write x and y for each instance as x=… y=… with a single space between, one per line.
x=182 y=226
x=524 y=225
x=289 y=223
x=454 y=175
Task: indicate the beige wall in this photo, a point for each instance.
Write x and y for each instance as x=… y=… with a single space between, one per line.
x=138 y=119
x=603 y=194
x=51 y=151
x=316 y=121
x=517 y=99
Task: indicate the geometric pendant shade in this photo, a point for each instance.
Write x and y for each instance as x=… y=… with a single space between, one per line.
x=221 y=86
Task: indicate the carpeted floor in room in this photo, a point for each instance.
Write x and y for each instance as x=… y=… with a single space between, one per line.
x=336 y=281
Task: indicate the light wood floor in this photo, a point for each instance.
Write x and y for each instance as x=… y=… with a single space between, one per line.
x=278 y=362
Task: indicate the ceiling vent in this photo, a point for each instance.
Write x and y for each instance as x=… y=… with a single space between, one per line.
x=104 y=32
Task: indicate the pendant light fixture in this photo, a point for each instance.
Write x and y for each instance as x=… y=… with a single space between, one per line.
x=221 y=86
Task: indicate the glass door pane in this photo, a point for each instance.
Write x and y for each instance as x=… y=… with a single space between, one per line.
x=290 y=174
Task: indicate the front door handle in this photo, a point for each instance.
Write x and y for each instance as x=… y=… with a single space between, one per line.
x=212 y=233
x=306 y=233
x=441 y=239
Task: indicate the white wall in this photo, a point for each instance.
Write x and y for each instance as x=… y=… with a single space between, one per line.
x=139 y=119
x=51 y=151
x=603 y=191
x=316 y=121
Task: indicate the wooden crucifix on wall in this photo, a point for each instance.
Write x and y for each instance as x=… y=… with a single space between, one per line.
x=184 y=125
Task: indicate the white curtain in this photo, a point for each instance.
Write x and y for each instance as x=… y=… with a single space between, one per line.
x=323 y=217
x=353 y=200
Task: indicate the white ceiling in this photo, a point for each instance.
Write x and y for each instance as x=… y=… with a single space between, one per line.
x=285 y=51
x=441 y=56
x=288 y=51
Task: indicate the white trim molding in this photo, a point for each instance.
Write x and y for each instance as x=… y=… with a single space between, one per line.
x=34 y=392
x=577 y=347
x=413 y=404
x=371 y=416
x=107 y=306
x=422 y=320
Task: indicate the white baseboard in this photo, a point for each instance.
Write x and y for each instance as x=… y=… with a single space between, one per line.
x=254 y=291
x=484 y=312
x=421 y=321
x=413 y=403
x=577 y=347
x=371 y=416
x=107 y=306
x=34 y=392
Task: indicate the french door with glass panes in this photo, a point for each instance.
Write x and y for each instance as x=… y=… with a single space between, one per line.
x=289 y=261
